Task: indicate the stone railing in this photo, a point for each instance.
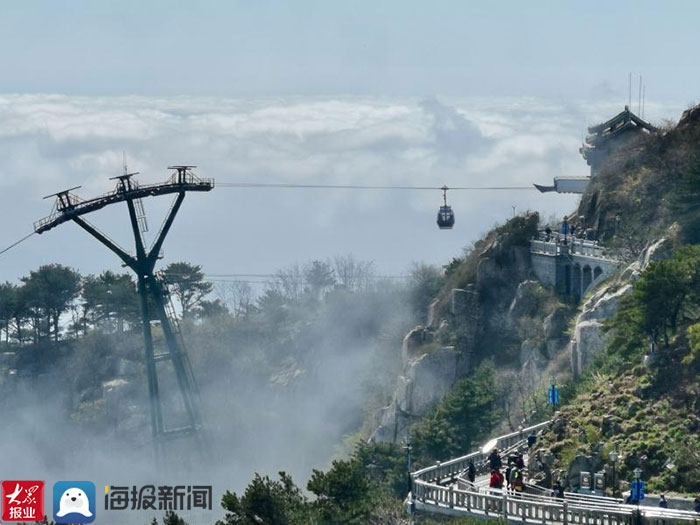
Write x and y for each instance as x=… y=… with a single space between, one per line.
x=559 y=244
x=434 y=490
x=452 y=468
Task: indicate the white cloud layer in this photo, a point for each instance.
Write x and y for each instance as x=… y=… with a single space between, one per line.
x=51 y=142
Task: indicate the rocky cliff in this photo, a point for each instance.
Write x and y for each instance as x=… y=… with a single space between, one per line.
x=490 y=308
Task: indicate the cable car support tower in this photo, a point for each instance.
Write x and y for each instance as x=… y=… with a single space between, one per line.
x=152 y=290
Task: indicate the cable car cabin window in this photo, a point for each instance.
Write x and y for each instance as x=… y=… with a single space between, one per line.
x=445 y=218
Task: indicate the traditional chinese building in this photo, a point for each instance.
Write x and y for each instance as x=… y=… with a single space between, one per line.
x=606 y=138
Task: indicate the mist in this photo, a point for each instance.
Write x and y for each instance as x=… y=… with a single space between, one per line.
x=288 y=380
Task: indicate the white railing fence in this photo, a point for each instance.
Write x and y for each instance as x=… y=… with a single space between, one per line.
x=442 y=489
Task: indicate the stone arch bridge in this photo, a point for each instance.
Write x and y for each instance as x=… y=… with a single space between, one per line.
x=570 y=265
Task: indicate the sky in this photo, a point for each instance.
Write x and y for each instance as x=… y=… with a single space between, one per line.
x=377 y=93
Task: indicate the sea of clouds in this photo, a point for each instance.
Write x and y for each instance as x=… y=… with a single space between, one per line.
x=52 y=142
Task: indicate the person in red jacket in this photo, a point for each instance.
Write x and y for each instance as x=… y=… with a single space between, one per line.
x=496 y=481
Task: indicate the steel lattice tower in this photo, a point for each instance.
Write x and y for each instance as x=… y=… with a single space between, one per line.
x=152 y=291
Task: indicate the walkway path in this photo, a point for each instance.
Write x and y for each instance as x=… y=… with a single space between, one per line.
x=443 y=489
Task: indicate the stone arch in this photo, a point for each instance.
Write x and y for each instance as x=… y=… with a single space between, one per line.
x=586 y=279
x=597 y=272
x=576 y=290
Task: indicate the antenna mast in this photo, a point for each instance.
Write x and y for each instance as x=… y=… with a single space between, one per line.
x=639 y=100
x=629 y=85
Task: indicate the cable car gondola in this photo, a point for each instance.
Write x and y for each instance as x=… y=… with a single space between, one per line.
x=445 y=217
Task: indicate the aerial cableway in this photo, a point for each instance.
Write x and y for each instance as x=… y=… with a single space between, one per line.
x=152 y=290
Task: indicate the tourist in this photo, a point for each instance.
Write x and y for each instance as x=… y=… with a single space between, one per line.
x=495 y=462
x=564 y=227
x=547 y=234
x=558 y=491
x=531 y=440
x=662 y=502
x=471 y=471
x=697 y=505
x=517 y=480
x=496 y=480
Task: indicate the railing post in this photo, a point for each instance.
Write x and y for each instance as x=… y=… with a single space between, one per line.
x=565 y=513
x=505 y=505
x=451 y=495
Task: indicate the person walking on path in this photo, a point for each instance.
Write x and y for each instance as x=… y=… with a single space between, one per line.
x=516 y=481
x=662 y=502
x=495 y=462
x=519 y=461
x=531 y=440
x=496 y=480
x=471 y=471
x=558 y=491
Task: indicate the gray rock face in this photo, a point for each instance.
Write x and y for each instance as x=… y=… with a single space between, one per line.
x=466 y=313
x=589 y=338
x=432 y=311
x=531 y=355
x=554 y=329
x=523 y=303
x=555 y=323
x=661 y=249
x=425 y=381
x=413 y=341
x=429 y=379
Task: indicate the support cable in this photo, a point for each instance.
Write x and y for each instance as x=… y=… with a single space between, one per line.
x=361 y=187
x=16 y=243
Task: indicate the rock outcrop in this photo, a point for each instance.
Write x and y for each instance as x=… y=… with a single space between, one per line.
x=424 y=382
x=589 y=339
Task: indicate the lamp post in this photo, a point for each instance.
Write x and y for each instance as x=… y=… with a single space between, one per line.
x=407 y=447
x=613 y=458
x=553 y=395
x=639 y=491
